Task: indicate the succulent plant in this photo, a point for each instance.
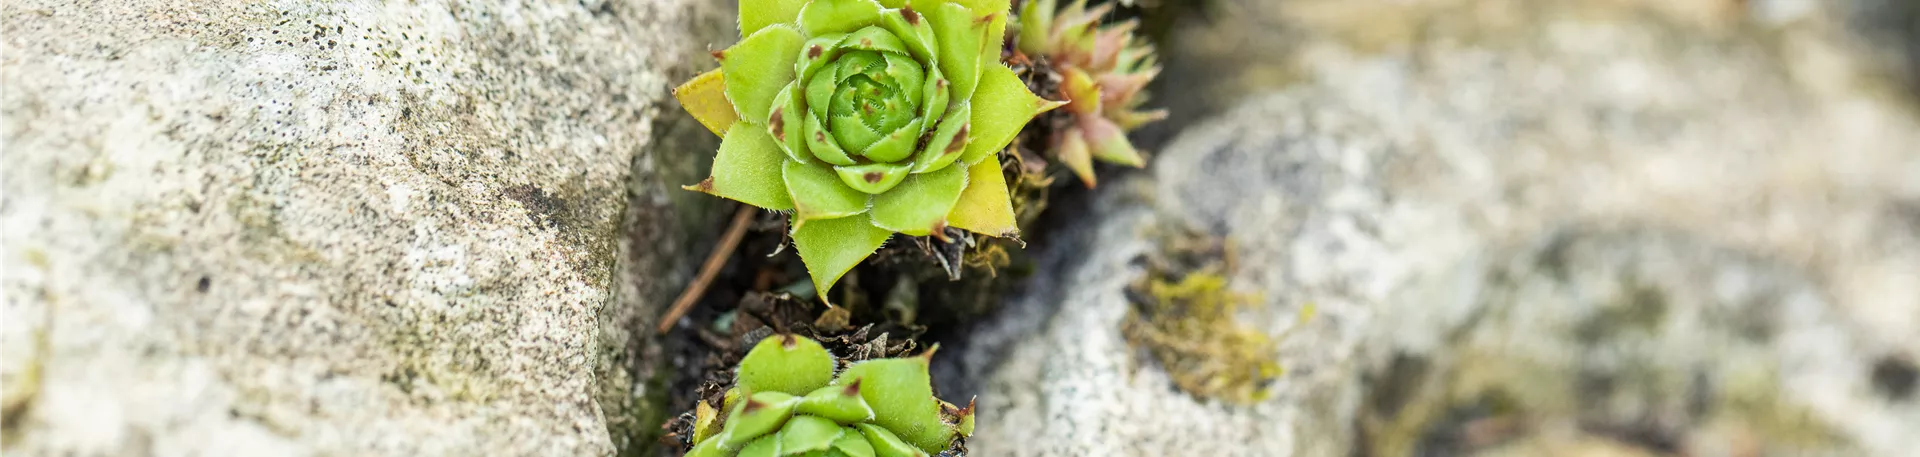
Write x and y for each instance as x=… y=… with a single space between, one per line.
x=787 y=401
x=865 y=118
x=1103 y=70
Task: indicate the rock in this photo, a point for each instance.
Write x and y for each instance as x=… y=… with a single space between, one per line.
x=293 y=228
x=1598 y=228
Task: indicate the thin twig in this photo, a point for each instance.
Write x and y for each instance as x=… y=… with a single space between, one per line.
x=715 y=260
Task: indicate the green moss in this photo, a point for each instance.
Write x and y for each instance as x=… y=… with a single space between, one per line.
x=1189 y=327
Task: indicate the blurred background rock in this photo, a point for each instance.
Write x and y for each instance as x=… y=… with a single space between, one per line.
x=1616 y=228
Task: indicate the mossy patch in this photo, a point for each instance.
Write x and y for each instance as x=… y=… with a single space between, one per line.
x=1186 y=318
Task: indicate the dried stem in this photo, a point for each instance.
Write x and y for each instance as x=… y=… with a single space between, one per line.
x=718 y=258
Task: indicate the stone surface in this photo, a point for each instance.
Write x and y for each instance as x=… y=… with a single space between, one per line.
x=366 y=228
x=1529 y=228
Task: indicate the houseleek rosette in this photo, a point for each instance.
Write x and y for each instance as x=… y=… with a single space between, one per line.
x=787 y=401
x=1104 y=70
x=865 y=118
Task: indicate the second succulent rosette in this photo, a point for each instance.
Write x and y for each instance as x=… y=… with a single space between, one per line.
x=865 y=118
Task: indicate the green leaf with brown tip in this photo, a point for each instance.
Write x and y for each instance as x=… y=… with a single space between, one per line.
x=873 y=178
x=787 y=124
x=757 y=14
x=934 y=91
x=886 y=444
x=748 y=169
x=901 y=394
x=1001 y=107
x=760 y=414
x=758 y=67
x=821 y=17
x=920 y=204
x=984 y=207
x=958 y=41
x=996 y=34
x=818 y=193
x=842 y=404
x=822 y=145
x=787 y=364
x=874 y=38
x=816 y=54
x=830 y=247
x=808 y=433
x=960 y=418
x=948 y=142
x=913 y=31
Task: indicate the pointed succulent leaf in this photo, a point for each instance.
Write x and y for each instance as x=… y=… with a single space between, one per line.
x=907 y=77
x=897 y=145
x=758 y=67
x=757 y=14
x=948 y=141
x=901 y=394
x=820 y=88
x=822 y=145
x=1071 y=149
x=913 y=31
x=830 y=247
x=1109 y=143
x=959 y=40
x=874 y=38
x=1036 y=20
x=807 y=433
x=816 y=54
x=961 y=418
x=1130 y=119
x=787 y=364
x=873 y=178
x=758 y=415
x=984 y=207
x=748 y=169
x=705 y=97
x=1083 y=96
x=841 y=403
x=765 y=446
x=853 y=444
x=887 y=444
x=703 y=418
x=818 y=193
x=787 y=122
x=995 y=12
x=935 y=94
x=821 y=17
x=919 y=205
x=1002 y=106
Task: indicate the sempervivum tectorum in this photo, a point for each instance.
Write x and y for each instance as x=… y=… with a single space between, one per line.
x=1103 y=70
x=788 y=401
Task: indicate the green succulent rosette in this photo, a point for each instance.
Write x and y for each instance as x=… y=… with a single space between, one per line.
x=787 y=401
x=865 y=118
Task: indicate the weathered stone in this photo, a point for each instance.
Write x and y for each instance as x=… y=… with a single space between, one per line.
x=1529 y=228
x=364 y=228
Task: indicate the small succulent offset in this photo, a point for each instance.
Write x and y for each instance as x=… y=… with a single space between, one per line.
x=865 y=118
x=786 y=401
x=1104 y=70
